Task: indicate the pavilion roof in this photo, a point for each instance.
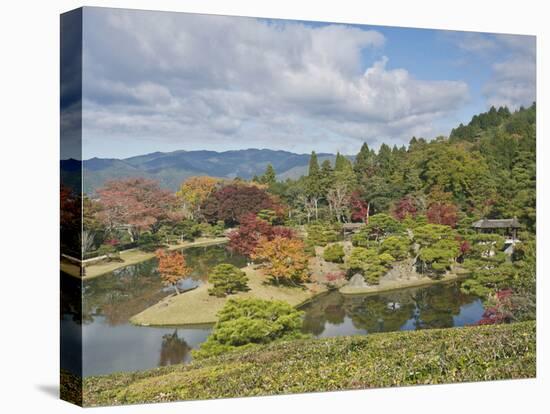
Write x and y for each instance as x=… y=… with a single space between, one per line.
x=497 y=224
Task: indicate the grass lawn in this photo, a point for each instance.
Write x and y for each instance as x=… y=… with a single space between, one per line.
x=198 y=307
x=378 y=360
x=134 y=256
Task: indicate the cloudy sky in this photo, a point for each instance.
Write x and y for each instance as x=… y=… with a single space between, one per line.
x=156 y=81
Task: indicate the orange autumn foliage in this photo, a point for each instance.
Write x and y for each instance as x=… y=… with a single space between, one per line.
x=194 y=191
x=172 y=267
x=284 y=259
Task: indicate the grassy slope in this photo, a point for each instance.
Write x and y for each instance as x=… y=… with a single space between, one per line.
x=198 y=307
x=377 y=360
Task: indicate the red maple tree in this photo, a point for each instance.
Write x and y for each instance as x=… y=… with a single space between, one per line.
x=245 y=239
x=359 y=208
x=136 y=203
x=442 y=213
x=405 y=207
x=234 y=201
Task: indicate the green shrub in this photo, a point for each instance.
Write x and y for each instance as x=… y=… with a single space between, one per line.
x=397 y=246
x=187 y=230
x=109 y=251
x=438 y=250
x=320 y=234
x=212 y=230
x=379 y=227
x=362 y=239
x=268 y=215
x=149 y=242
x=334 y=253
x=382 y=225
x=227 y=279
x=369 y=263
x=245 y=322
x=412 y=223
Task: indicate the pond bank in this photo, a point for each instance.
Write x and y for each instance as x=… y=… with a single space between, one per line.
x=198 y=307
x=134 y=256
x=401 y=284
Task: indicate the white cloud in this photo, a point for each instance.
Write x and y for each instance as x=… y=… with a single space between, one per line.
x=217 y=82
x=513 y=78
x=513 y=83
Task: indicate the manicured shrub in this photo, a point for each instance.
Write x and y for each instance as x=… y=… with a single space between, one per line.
x=369 y=263
x=245 y=322
x=396 y=246
x=320 y=234
x=227 y=279
x=382 y=225
x=334 y=253
x=110 y=251
x=438 y=248
x=149 y=242
x=187 y=229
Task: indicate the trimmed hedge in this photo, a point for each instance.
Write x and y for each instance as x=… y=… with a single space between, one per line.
x=435 y=356
x=334 y=253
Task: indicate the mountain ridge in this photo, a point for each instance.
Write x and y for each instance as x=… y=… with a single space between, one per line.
x=171 y=168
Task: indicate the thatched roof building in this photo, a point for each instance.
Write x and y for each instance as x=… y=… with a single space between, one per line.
x=512 y=223
x=507 y=226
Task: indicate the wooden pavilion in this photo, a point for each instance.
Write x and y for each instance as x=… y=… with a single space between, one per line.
x=506 y=227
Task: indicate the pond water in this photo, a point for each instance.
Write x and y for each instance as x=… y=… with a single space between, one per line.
x=111 y=344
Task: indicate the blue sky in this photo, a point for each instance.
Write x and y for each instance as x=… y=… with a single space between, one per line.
x=157 y=81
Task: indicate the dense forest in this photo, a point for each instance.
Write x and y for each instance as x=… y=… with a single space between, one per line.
x=484 y=169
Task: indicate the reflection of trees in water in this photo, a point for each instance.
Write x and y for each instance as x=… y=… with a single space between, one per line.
x=173 y=349
x=326 y=308
x=437 y=306
x=131 y=289
x=124 y=293
x=380 y=313
x=202 y=259
x=431 y=307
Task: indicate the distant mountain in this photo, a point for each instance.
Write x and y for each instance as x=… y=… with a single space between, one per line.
x=171 y=168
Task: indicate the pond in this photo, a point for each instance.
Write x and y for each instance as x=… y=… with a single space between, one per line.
x=111 y=344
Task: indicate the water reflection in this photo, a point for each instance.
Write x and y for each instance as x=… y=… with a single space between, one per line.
x=421 y=308
x=174 y=350
x=112 y=344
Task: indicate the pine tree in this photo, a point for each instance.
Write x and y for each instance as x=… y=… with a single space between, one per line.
x=385 y=159
x=339 y=162
x=313 y=183
x=313 y=165
x=269 y=177
x=327 y=175
x=363 y=161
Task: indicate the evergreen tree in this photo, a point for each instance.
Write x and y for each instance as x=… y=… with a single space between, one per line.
x=269 y=177
x=313 y=183
x=326 y=176
x=313 y=170
x=339 y=162
x=363 y=161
